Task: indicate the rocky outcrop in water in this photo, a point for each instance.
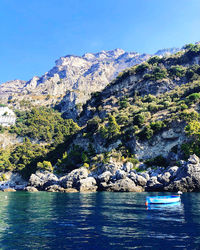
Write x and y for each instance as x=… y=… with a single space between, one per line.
x=42 y=179
x=120 y=178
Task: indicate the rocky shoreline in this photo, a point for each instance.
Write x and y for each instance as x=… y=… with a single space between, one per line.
x=113 y=177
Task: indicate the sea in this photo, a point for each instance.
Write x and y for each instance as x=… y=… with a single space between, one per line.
x=101 y=220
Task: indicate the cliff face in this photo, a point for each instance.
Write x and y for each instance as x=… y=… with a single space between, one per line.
x=149 y=112
x=72 y=80
x=157 y=93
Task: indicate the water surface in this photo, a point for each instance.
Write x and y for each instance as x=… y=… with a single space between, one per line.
x=97 y=221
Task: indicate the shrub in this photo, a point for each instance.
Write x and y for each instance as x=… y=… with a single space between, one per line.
x=193 y=98
x=188 y=115
x=177 y=71
x=141 y=68
x=45 y=165
x=2 y=129
x=157 y=126
x=93 y=124
x=112 y=130
x=157 y=161
x=86 y=165
x=123 y=103
x=146 y=133
x=159 y=73
x=155 y=60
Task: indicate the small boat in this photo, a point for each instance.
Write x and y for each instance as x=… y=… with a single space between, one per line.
x=162 y=199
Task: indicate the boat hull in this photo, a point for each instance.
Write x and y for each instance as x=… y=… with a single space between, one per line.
x=162 y=199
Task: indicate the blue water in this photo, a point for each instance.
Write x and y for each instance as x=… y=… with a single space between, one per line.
x=97 y=221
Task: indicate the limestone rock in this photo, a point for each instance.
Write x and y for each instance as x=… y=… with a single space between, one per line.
x=78 y=76
x=13 y=180
x=172 y=170
x=145 y=175
x=170 y=134
x=30 y=189
x=42 y=178
x=141 y=181
x=112 y=167
x=71 y=180
x=164 y=178
x=193 y=159
x=124 y=185
x=54 y=188
x=87 y=185
x=187 y=177
x=70 y=190
x=120 y=174
x=127 y=166
x=9 y=190
x=133 y=176
x=154 y=185
x=104 y=177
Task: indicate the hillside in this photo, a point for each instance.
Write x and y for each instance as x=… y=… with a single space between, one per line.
x=150 y=113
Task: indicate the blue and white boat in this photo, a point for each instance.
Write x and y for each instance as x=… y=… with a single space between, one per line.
x=162 y=199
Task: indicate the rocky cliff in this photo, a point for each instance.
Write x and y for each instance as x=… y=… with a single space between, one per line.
x=72 y=80
x=148 y=113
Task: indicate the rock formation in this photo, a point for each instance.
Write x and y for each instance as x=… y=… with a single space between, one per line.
x=72 y=80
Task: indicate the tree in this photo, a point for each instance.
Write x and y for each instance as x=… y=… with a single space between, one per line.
x=193 y=129
x=45 y=165
x=113 y=128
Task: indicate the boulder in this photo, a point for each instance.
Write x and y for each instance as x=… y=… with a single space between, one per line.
x=155 y=172
x=164 y=178
x=127 y=167
x=42 y=179
x=71 y=180
x=30 y=189
x=187 y=178
x=141 y=181
x=193 y=159
x=112 y=167
x=70 y=190
x=104 y=177
x=54 y=188
x=104 y=186
x=133 y=176
x=124 y=185
x=183 y=185
x=9 y=190
x=13 y=180
x=87 y=185
x=172 y=170
x=145 y=175
x=154 y=185
x=120 y=174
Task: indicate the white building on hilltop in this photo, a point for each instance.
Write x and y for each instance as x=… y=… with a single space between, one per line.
x=7 y=117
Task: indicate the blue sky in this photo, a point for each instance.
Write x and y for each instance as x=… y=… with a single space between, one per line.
x=34 y=33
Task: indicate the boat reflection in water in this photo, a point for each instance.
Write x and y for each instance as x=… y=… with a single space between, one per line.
x=175 y=206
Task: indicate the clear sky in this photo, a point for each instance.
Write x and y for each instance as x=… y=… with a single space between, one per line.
x=34 y=33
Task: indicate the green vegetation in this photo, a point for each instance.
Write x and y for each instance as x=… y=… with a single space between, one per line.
x=119 y=119
x=111 y=130
x=45 y=165
x=157 y=161
x=43 y=124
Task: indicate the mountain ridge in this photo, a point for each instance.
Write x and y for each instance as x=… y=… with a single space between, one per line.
x=72 y=80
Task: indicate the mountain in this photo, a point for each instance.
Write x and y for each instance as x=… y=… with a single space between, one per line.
x=150 y=112
x=73 y=79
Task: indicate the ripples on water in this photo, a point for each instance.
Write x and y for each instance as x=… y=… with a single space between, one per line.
x=97 y=221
